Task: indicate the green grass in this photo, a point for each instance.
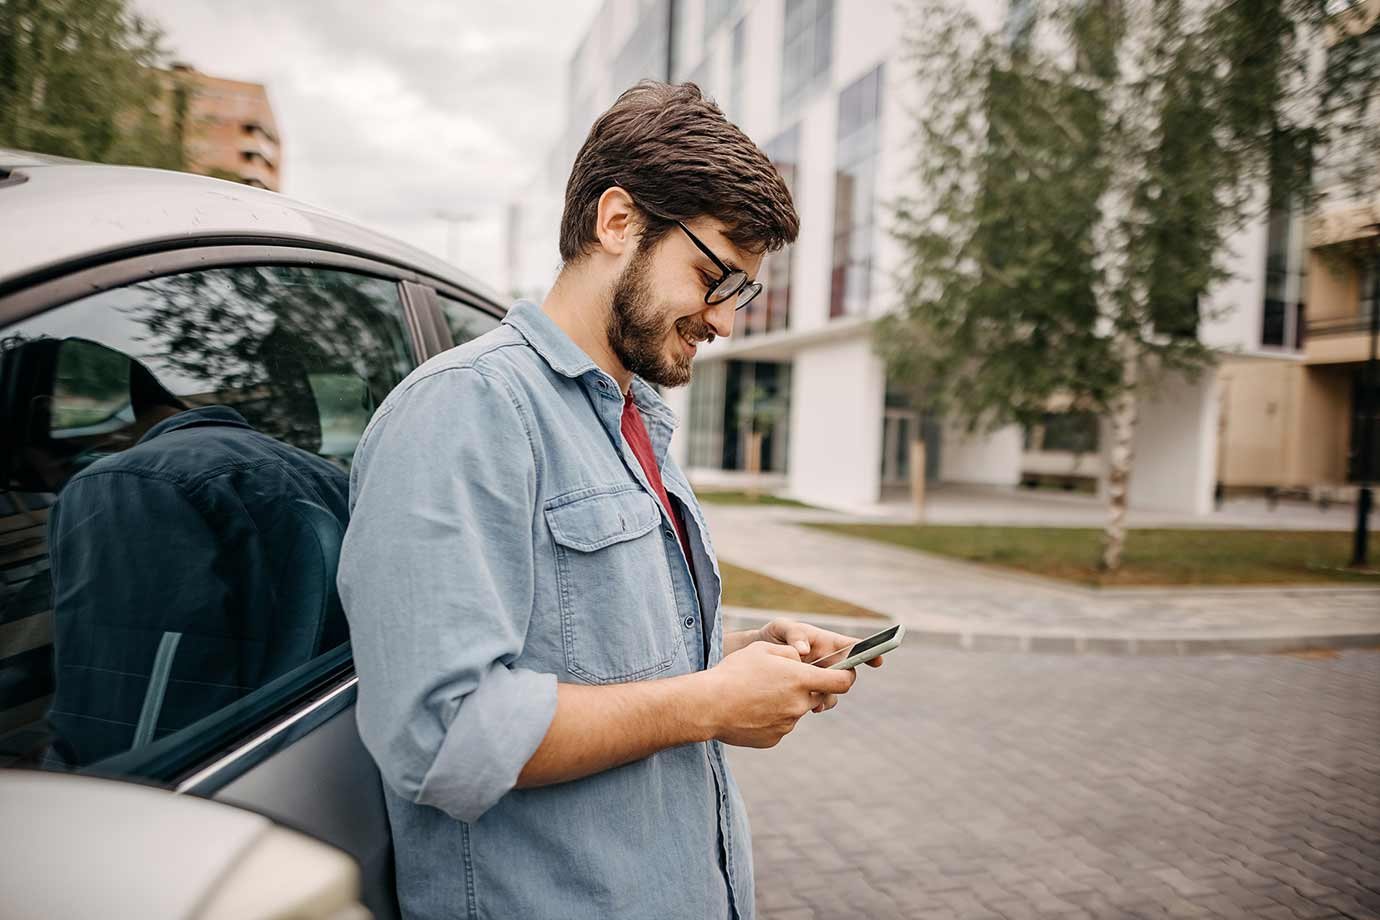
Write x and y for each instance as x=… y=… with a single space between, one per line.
x=745 y=498
x=1152 y=557
x=746 y=588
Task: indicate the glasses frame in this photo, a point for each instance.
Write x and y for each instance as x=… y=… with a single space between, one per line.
x=724 y=274
x=724 y=271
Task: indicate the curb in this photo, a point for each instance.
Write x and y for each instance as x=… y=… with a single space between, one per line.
x=1150 y=646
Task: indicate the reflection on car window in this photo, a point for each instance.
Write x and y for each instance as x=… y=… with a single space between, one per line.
x=466 y=322
x=175 y=458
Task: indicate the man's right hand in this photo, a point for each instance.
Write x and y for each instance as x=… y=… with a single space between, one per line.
x=758 y=693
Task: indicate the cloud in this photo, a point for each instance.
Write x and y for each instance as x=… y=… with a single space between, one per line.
x=392 y=112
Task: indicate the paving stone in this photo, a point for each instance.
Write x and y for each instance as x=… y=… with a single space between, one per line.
x=959 y=785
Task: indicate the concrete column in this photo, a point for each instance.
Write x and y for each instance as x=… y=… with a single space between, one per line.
x=1176 y=446
x=678 y=400
x=982 y=458
x=837 y=393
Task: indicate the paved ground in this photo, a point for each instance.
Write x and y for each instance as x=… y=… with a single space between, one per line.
x=963 y=504
x=980 y=607
x=961 y=785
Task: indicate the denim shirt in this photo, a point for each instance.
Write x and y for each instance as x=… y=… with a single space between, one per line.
x=503 y=539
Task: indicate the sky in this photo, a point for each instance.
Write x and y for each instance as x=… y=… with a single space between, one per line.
x=390 y=112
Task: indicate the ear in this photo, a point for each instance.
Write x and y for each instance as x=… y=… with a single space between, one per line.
x=616 y=222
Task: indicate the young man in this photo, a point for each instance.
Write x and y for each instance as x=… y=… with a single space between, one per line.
x=532 y=594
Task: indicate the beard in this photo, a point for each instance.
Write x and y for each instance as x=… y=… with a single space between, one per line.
x=638 y=330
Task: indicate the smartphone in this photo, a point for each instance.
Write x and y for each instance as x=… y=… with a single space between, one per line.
x=864 y=649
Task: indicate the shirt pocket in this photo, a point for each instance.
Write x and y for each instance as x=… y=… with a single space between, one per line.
x=617 y=603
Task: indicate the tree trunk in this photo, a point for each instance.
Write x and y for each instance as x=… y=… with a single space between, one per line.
x=754 y=463
x=1123 y=420
x=917 y=477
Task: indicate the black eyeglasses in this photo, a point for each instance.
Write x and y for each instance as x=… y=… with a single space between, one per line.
x=732 y=281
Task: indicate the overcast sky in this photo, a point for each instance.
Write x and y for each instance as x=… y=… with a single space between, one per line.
x=389 y=112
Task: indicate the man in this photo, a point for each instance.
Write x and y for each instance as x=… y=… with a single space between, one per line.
x=532 y=593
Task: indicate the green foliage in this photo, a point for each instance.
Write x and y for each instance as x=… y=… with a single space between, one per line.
x=1125 y=133
x=79 y=78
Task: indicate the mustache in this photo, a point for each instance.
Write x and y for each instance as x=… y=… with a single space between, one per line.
x=695 y=330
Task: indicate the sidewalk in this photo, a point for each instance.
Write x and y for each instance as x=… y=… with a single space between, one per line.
x=952 y=603
x=998 y=505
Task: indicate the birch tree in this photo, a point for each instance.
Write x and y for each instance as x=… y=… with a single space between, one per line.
x=1078 y=174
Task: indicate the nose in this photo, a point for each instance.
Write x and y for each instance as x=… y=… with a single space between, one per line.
x=720 y=317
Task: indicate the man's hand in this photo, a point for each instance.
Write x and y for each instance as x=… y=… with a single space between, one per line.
x=758 y=693
x=811 y=642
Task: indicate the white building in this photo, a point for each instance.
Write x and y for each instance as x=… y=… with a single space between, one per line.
x=823 y=88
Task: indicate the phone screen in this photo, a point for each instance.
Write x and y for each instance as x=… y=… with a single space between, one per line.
x=862 y=645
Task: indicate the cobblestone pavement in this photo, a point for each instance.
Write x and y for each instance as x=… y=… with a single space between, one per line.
x=965 y=785
x=943 y=596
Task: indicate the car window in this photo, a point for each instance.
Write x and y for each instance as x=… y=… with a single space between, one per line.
x=466 y=322
x=176 y=457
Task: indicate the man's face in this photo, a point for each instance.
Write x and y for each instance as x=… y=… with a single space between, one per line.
x=658 y=316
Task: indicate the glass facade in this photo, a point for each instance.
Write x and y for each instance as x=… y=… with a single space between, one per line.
x=735 y=71
x=855 y=186
x=806 y=51
x=772 y=310
x=1286 y=263
x=729 y=401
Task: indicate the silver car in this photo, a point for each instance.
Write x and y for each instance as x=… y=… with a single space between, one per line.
x=187 y=365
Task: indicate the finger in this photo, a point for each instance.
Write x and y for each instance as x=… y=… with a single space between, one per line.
x=797 y=636
x=785 y=651
x=876 y=662
x=827 y=680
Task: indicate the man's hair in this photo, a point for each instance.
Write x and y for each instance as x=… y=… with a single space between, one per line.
x=678 y=157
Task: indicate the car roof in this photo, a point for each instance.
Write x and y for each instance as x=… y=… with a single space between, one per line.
x=55 y=212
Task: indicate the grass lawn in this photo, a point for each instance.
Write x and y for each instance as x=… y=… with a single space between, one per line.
x=1152 y=557
x=743 y=498
x=746 y=588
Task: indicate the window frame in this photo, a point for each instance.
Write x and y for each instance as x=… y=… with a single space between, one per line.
x=321 y=691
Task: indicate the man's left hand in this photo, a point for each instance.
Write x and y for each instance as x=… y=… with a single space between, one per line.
x=811 y=642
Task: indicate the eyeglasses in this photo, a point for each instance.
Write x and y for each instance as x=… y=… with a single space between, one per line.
x=732 y=281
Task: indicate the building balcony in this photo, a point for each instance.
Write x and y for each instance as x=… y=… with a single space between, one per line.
x=1338 y=340
x=260 y=146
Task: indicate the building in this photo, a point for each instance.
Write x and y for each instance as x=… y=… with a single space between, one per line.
x=1295 y=423
x=822 y=86
x=229 y=130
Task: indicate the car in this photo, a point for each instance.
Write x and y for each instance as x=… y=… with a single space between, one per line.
x=186 y=366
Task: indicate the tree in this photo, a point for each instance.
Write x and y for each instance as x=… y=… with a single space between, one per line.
x=1078 y=177
x=80 y=78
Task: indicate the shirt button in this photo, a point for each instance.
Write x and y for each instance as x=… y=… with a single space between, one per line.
x=689 y=622
x=670 y=533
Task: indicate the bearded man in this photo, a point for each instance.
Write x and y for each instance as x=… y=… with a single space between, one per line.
x=533 y=598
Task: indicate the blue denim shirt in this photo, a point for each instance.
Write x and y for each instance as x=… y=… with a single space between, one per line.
x=504 y=538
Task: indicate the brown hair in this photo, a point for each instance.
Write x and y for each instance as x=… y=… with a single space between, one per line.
x=679 y=158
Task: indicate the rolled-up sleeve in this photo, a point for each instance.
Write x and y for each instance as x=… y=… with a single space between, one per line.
x=436 y=578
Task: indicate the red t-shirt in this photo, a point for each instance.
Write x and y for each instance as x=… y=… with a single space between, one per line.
x=635 y=433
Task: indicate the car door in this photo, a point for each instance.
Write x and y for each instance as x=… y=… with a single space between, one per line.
x=177 y=437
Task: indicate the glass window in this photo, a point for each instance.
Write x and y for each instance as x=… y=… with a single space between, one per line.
x=735 y=72
x=175 y=457
x=855 y=177
x=466 y=322
x=715 y=12
x=771 y=311
x=806 y=50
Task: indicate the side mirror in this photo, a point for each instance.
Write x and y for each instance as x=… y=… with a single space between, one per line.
x=77 y=846
x=91 y=392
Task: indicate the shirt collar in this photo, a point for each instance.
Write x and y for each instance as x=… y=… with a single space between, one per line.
x=569 y=360
x=206 y=415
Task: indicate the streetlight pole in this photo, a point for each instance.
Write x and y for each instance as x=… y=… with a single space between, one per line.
x=453 y=220
x=1367 y=410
